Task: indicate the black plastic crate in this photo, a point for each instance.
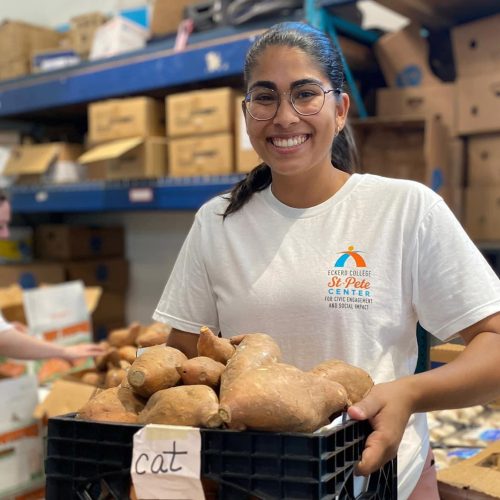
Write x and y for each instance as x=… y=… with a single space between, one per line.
x=91 y=460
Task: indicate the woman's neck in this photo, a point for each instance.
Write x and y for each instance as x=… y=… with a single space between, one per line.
x=308 y=191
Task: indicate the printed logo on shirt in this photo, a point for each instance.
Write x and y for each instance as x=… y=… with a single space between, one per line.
x=349 y=281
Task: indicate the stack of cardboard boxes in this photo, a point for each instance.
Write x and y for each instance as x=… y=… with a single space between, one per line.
x=19 y=42
x=126 y=139
x=200 y=132
x=94 y=255
x=415 y=99
x=477 y=58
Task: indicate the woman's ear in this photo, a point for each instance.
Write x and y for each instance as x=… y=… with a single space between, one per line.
x=343 y=103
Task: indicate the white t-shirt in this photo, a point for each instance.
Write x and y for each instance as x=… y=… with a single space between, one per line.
x=347 y=279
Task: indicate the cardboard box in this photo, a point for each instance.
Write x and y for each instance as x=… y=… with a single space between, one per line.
x=127 y=159
x=201 y=155
x=405 y=149
x=20 y=40
x=474 y=478
x=476 y=48
x=109 y=274
x=482 y=213
x=14 y=68
x=54 y=162
x=65 y=396
x=484 y=160
x=166 y=16
x=66 y=241
x=444 y=353
x=12 y=302
x=457 y=149
x=124 y=118
x=479 y=104
x=200 y=112
x=111 y=309
x=117 y=36
x=31 y=274
x=82 y=30
x=21 y=449
x=245 y=156
x=420 y=102
x=403 y=58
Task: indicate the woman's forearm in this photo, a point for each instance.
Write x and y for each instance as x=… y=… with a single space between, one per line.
x=472 y=378
x=16 y=344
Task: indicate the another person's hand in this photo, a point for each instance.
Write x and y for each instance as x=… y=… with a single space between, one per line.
x=388 y=408
x=71 y=353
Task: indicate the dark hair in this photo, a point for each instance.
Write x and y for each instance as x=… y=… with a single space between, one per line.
x=3 y=196
x=317 y=45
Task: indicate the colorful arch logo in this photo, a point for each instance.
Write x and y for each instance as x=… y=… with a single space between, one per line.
x=350 y=254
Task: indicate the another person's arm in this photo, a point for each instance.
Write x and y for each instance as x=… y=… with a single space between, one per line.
x=472 y=378
x=15 y=343
x=184 y=341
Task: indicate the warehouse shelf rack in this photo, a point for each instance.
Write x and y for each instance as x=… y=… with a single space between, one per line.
x=210 y=56
x=187 y=193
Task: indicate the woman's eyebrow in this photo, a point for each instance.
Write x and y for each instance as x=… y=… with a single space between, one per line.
x=304 y=81
x=271 y=85
x=263 y=83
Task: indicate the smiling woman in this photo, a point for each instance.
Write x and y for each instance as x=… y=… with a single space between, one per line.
x=334 y=264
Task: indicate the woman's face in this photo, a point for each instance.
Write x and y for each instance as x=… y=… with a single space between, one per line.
x=4 y=219
x=291 y=143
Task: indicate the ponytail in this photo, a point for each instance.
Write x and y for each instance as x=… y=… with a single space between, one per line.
x=345 y=155
x=256 y=180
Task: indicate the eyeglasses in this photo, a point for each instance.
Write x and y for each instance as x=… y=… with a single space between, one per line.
x=306 y=99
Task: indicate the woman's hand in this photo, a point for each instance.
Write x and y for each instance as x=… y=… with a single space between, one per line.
x=388 y=408
x=71 y=353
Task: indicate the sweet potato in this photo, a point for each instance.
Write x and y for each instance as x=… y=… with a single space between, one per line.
x=155 y=369
x=254 y=350
x=356 y=381
x=128 y=353
x=124 y=336
x=117 y=404
x=201 y=370
x=154 y=334
x=114 y=377
x=194 y=405
x=93 y=378
x=214 y=347
x=280 y=398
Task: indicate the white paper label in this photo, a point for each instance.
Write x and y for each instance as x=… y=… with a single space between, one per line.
x=245 y=143
x=166 y=463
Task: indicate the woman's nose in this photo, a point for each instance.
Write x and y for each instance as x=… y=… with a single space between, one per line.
x=286 y=114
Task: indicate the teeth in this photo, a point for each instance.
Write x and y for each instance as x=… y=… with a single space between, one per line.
x=290 y=142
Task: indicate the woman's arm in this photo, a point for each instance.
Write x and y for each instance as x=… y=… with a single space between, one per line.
x=184 y=341
x=16 y=343
x=472 y=378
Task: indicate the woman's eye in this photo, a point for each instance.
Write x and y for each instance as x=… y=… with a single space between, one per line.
x=264 y=97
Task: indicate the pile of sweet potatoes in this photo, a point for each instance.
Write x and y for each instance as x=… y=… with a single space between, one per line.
x=238 y=383
x=121 y=351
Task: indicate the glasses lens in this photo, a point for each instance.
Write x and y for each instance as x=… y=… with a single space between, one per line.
x=308 y=99
x=262 y=103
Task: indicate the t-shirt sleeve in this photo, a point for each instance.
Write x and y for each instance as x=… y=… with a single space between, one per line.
x=188 y=302
x=453 y=284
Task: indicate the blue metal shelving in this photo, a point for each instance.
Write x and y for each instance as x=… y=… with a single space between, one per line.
x=160 y=194
x=157 y=67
